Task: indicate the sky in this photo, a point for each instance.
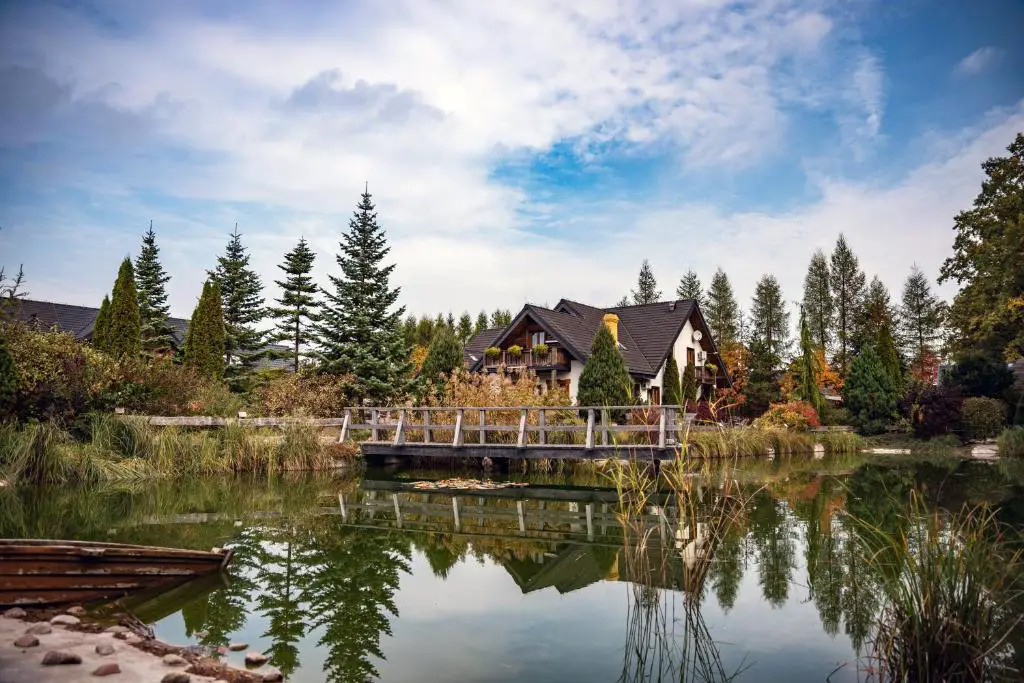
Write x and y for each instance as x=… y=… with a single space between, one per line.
x=524 y=151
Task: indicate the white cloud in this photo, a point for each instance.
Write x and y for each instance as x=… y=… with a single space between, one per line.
x=978 y=61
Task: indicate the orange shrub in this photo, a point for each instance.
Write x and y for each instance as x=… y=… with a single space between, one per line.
x=796 y=415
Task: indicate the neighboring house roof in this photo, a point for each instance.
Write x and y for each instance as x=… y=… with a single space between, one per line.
x=647 y=332
x=474 y=349
x=80 y=321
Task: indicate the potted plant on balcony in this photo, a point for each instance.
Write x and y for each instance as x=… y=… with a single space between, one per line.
x=711 y=368
x=540 y=351
x=515 y=351
x=492 y=353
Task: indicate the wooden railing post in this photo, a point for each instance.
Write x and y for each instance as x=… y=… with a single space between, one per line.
x=522 y=429
x=542 y=436
x=457 y=439
x=604 y=426
x=373 y=425
x=661 y=429
x=590 y=428
x=482 y=438
x=427 y=436
x=399 y=439
x=345 y=422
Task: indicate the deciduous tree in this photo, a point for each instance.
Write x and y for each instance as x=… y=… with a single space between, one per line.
x=847 y=282
x=152 y=280
x=297 y=309
x=646 y=291
x=818 y=300
x=360 y=330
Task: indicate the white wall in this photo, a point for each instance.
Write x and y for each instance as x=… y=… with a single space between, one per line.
x=575 y=370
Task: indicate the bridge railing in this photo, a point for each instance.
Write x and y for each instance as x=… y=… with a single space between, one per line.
x=455 y=427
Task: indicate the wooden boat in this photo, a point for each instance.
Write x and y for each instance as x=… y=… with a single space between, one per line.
x=45 y=572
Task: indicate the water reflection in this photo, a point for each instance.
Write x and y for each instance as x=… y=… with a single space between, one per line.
x=318 y=577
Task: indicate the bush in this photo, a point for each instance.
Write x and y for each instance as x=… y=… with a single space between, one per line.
x=161 y=387
x=836 y=415
x=303 y=394
x=796 y=415
x=492 y=352
x=1011 y=443
x=869 y=394
x=979 y=374
x=515 y=350
x=931 y=411
x=541 y=350
x=983 y=417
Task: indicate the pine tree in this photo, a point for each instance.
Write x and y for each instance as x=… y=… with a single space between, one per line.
x=646 y=291
x=241 y=294
x=876 y=310
x=847 y=282
x=298 y=308
x=623 y=302
x=691 y=288
x=605 y=380
x=808 y=389
x=763 y=384
x=8 y=381
x=501 y=318
x=769 y=319
x=449 y=320
x=205 y=337
x=868 y=393
x=481 y=322
x=818 y=300
x=444 y=356
x=360 y=330
x=885 y=346
x=922 y=316
x=424 y=331
x=157 y=334
x=465 y=327
x=409 y=331
x=101 y=327
x=672 y=391
x=439 y=322
x=722 y=311
x=124 y=330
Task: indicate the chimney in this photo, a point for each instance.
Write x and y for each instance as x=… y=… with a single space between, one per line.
x=611 y=321
x=671 y=305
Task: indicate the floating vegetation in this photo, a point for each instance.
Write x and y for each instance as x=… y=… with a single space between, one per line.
x=465 y=485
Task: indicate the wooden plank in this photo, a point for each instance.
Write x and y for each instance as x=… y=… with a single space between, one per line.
x=398 y=510
x=542 y=434
x=374 y=435
x=511 y=450
x=590 y=428
x=400 y=430
x=344 y=426
x=483 y=427
x=427 y=434
x=455 y=513
x=457 y=439
x=661 y=429
x=522 y=429
x=605 y=419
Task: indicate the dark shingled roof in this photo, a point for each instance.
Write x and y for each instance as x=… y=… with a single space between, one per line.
x=646 y=332
x=474 y=349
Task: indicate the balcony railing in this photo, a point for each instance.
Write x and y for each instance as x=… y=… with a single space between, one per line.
x=528 y=359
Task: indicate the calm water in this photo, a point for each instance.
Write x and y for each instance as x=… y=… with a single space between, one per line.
x=533 y=584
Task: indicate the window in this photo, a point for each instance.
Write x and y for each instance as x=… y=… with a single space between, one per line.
x=536 y=338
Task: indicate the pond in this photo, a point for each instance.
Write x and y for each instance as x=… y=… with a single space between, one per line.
x=356 y=577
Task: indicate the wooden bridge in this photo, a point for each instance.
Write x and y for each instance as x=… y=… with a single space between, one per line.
x=537 y=432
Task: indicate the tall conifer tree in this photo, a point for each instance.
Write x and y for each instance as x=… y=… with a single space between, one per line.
x=690 y=287
x=672 y=393
x=769 y=319
x=876 y=310
x=817 y=302
x=921 y=315
x=242 y=299
x=646 y=291
x=360 y=330
x=124 y=329
x=847 y=282
x=298 y=307
x=605 y=379
x=722 y=311
x=465 y=327
x=808 y=389
x=204 y=339
x=101 y=327
x=482 y=322
x=151 y=280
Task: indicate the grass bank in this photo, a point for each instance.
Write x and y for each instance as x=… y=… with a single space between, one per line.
x=124 y=449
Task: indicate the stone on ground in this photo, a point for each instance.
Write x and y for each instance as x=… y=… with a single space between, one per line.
x=59 y=657
x=65 y=620
x=108 y=669
x=255 y=658
x=273 y=676
x=26 y=641
x=237 y=647
x=104 y=649
x=77 y=610
x=176 y=677
x=39 y=629
x=15 y=613
x=175 y=660
x=116 y=629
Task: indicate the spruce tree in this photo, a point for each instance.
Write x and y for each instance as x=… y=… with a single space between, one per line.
x=690 y=287
x=465 y=327
x=449 y=320
x=501 y=318
x=672 y=391
x=205 y=337
x=817 y=301
x=868 y=393
x=409 y=331
x=124 y=330
x=242 y=300
x=297 y=309
x=646 y=291
x=101 y=327
x=444 y=356
x=360 y=329
x=763 y=384
x=605 y=379
x=808 y=390
x=722 y=311
x=151 y=279
x=885 y=346
x=847 y=282
x=769 y=319
x=921 y=316
x=481 y=322
x=424 y=331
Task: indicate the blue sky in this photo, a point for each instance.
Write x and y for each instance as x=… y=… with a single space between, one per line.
x=517 y=151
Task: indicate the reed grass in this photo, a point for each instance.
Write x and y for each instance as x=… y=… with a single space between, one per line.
x=1011 y=442
x=951 y=600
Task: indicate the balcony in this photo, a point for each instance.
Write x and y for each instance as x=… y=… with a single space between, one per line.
x=554 y=358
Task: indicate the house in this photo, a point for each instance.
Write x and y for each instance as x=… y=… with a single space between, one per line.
x=647 y=335
x=80 y=321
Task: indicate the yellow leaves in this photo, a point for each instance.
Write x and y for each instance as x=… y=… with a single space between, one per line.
x=417 y=356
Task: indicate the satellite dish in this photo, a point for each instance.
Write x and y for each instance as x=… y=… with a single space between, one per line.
x=697 y=335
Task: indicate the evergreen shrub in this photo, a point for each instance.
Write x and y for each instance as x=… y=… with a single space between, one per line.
x=983 y=417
